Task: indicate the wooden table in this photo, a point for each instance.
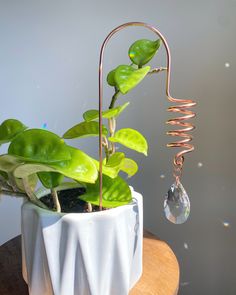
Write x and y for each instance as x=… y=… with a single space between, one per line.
x=160 y=269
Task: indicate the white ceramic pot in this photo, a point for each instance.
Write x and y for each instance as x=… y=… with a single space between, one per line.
x=96 y=253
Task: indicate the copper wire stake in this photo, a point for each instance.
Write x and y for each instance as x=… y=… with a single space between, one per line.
x=182 y=108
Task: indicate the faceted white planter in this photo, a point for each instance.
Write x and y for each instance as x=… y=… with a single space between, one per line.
x=96 y=253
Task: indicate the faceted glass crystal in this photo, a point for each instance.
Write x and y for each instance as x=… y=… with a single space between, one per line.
x=177 y=204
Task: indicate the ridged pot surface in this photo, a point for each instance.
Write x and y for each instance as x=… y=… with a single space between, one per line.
x=97 y=253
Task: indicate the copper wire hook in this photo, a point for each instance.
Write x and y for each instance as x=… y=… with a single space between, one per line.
x=179 y=121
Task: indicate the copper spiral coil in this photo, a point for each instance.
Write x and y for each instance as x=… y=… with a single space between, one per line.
x=182 y=108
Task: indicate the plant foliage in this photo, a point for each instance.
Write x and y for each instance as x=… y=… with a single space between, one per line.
x=38 y=155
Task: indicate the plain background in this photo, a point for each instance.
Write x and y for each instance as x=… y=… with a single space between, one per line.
x=49 y=75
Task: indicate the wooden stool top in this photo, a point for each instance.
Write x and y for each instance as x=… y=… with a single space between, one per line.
x=160 y=269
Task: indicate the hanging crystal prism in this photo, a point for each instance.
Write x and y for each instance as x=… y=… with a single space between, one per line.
x=177 y=204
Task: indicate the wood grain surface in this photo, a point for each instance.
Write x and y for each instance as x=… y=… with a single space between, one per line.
x=160 y=269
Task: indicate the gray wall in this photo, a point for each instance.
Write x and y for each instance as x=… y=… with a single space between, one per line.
x=48 y=74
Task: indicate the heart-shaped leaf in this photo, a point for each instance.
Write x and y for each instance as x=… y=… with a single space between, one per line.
x=111 y=78
x=115 y=192
x=114 y=112
x=126 y=77
x=90 y=115
x=132 y=139
x=118 y=163
x=142 y=51
x=109 y=171
x=37 y=145
x=129 y=166
x=85 y=129
x=9 y=129
x=80 y=167
x=115 y=159
x=111 y=113
x=50 y=179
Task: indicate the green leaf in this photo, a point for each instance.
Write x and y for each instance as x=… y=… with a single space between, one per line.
x=142 y=51
x=111 y=78
x=118 y=162
x=4 y=175
x=115 y=159
x=132 y=139
x=91 y=115
x=113 y=166
x=111 y=113
x=114 y=112
x=129 y=166
x=9 y=129
x=115 y=192
x=109 y=171
x=32 y=181
x=40 y=146
x=7 y=166
x=126 y=77
x=25 y=170
x=80 y=167
x=50 y=179
x=9 y=163
x=85 y=129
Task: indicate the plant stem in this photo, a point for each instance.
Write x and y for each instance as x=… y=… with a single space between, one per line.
x=31 y=194
x=157 y=70
x=106 y=148
x=4 y=184
x=11 y=182
x=12 y=193
x=112 y=129
x=114 y=98
x=112 y=123
x=56 y=200
x=107 y=154
x=90 y=207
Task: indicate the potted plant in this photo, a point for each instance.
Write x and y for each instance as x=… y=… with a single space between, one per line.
x=69 y=245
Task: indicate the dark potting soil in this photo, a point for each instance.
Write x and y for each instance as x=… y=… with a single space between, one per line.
x=70 y=201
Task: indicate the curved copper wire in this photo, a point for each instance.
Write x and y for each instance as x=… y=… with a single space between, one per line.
x=181 y=109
